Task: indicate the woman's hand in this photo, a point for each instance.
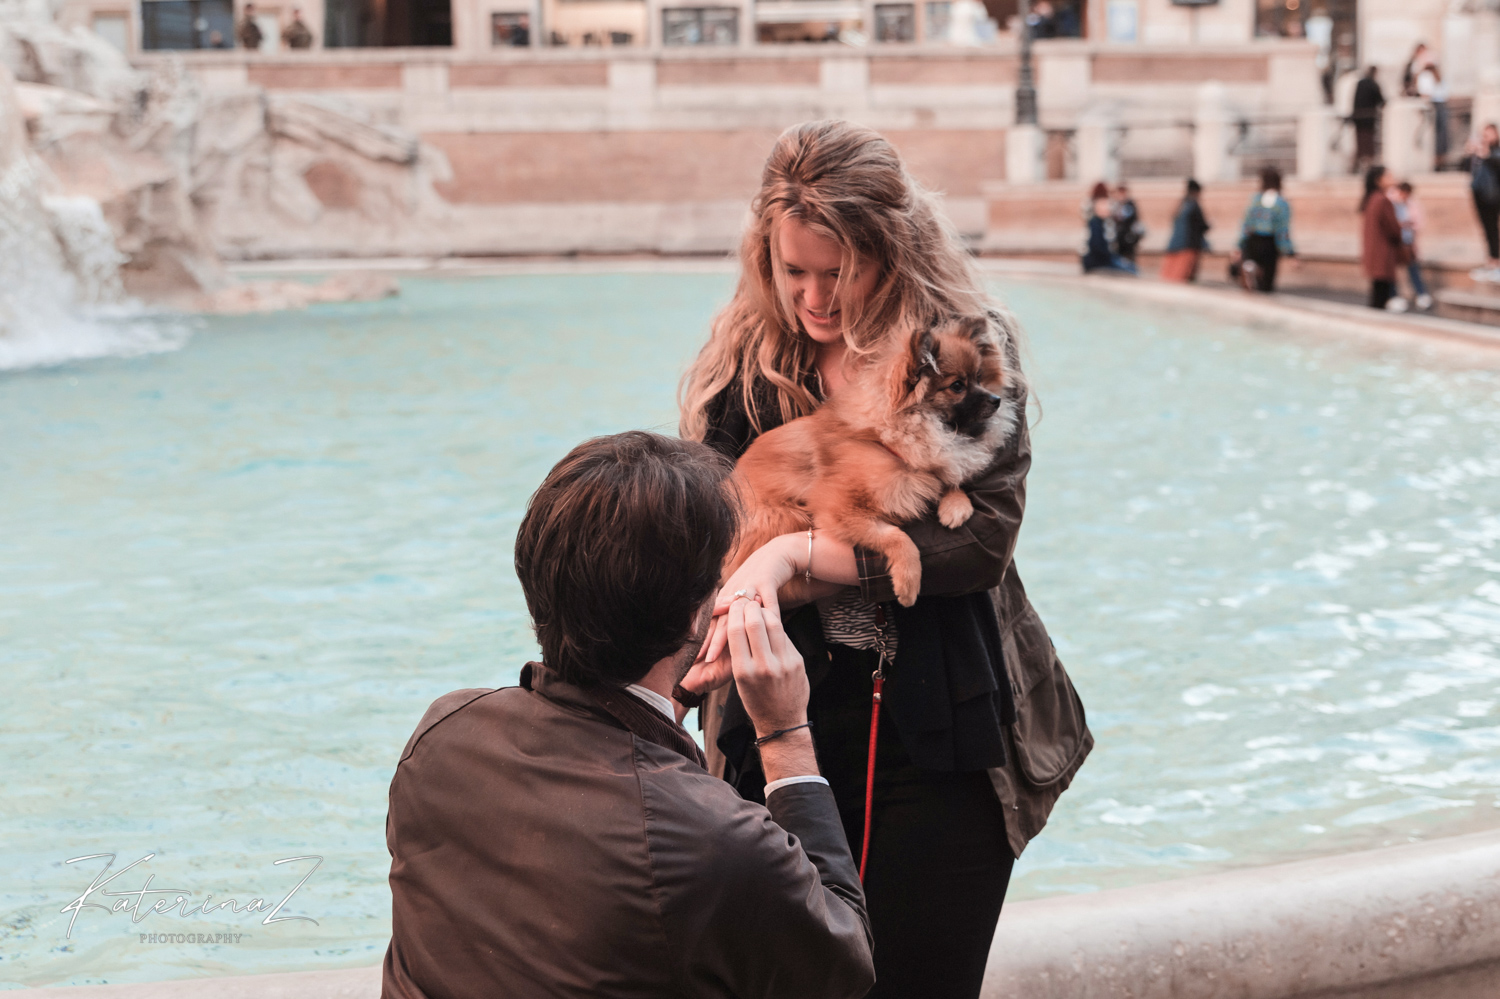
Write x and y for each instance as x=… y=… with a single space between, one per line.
x=774 y=577
x=759 y=578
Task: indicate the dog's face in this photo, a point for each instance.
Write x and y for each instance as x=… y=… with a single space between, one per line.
x=954 y=371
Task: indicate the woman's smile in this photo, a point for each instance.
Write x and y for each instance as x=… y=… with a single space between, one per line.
x=813 y=273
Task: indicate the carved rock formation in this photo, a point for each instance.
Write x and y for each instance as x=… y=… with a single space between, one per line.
x=98 y=149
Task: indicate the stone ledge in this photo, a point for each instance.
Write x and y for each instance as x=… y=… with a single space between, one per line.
x=1304 y=315
x=1413 y=921
x=349 y=983
x=1405 y=922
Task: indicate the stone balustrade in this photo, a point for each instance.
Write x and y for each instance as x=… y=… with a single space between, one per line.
x=640 y=149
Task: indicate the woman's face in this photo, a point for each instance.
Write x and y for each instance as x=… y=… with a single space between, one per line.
x=1386 y=180
x=1491 y=135
x=811 y=264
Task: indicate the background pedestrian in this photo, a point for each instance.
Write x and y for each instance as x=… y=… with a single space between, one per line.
x=297 y=35
x=1420 y=60
x=1189 y=238
x=249 y=32
x=1129 y=230
x=1368 y=100
x=1431 y=86
x=1409 y=213
x=1099 y=254
x=1484 y=182
x=1266 y=232
x=1383 y=250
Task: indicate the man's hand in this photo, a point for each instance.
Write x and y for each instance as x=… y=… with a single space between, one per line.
x=763 y=574
x=773 y=685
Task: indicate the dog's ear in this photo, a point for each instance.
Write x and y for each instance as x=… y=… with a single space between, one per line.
x=982 y=333
x=991 y=334
x=918 y=360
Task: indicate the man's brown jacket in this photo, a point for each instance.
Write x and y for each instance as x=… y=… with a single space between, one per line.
x=541 y=848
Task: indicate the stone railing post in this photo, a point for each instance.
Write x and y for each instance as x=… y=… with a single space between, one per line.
x=632 y=89
x=1316 y=131
x=845 y=82
x=1406 y=136
x=1097 y=133
x=1024 y=146
x=1211 y=134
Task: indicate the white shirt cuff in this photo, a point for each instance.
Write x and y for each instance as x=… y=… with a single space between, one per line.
x=787 y=781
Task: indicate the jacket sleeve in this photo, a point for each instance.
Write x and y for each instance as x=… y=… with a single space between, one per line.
x=975 y=556
x=1284 y=230
x=782 y=914
x=1390 y=225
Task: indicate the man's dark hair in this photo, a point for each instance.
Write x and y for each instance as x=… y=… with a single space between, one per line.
x=1193 y=187
x=1270 y=179
x=618 y=551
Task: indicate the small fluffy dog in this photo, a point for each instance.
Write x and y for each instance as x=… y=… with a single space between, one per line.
x=907 y=430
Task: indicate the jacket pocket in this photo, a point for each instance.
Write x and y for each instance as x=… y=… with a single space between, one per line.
x=1050 y=737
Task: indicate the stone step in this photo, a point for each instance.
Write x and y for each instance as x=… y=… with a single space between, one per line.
x=1470 y=306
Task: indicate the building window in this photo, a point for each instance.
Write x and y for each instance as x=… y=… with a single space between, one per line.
x=387 y=23
x=1305 y=19
x=700 y=26
x=895 y=22
x=187 y=24
x=939 y=20
x=510 y=29
x=1058 y=18
x=1121 y=20
x=1331 y=25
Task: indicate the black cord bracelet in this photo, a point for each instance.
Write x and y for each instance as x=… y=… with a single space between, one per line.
x=780 y=732
x=686 y=697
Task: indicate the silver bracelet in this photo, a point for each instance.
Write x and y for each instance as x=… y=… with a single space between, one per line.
x=807 y=573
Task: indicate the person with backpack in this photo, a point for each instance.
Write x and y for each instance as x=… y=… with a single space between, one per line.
x=1484 y=182
x=1265 y=235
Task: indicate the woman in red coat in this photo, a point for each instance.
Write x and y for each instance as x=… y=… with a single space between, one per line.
x=1384 y=250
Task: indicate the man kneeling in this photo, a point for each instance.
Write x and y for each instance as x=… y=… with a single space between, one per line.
x=562 y=838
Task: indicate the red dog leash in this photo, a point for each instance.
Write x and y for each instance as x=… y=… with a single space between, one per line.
x=882 y=644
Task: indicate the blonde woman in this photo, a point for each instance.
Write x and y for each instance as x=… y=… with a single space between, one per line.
x=980 y=729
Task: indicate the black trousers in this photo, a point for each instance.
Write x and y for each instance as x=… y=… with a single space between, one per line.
x=1262 y=250
x=1489 y=219
x=1381 y=292
x=939 y=859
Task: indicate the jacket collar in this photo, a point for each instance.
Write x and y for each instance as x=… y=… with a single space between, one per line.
x=616 y=706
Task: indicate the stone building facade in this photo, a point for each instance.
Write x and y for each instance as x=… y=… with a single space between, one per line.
x=653 y=144
x=1365 y=31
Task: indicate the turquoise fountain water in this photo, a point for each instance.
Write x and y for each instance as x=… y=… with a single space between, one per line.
x=233 y=577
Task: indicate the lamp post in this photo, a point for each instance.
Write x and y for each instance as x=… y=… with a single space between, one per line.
x=1026 y=80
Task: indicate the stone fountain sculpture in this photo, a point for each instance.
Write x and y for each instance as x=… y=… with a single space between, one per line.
x=118 y=184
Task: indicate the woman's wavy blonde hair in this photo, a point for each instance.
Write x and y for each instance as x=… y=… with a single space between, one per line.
x=847 y=183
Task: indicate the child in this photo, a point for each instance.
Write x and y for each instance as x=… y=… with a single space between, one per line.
x=1409 y=214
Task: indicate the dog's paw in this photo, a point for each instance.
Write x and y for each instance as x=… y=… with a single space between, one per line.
x=955 y=509
x=907 y=585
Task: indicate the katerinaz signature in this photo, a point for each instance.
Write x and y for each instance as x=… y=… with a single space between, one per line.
x=132 y=902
